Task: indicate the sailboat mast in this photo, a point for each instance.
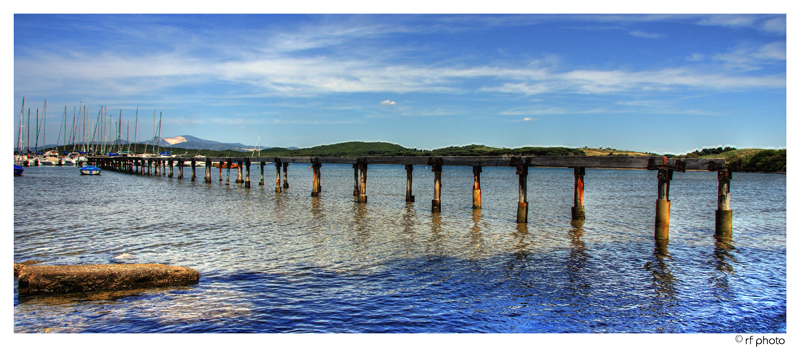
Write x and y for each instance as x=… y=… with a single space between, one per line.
x=28 y=141
x=119 y=132
x=21 y=124
x=159 y=132
x=44 y=125
x=37 y=131
x=135 y=128
x=74 y=129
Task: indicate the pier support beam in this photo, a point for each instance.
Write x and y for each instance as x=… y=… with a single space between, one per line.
x=171 y=166
x=436 y=167
x=228 y=173
x=239 y=179
x=285 y=175
x=220 y=171
x=663 y=205
x=194 y=176
x=247 y=174
x=355 y=179
x=277 y=175
x=180 y=169
x=156 y=165
x=476 y=187
x=261 y=165
x=362 y=188
x=409 y=182
x=522 y=206
x=208 y=171
x=315 y=184
x=577 y=209
x=724 y=215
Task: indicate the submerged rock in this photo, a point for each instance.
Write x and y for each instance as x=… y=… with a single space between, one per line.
x=59 y=279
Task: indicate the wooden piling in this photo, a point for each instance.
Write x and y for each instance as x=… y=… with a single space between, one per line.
x=239 y=179
x=663 y=205
x=228 y=174
x=193 y=167
x=285 y=175
x=577 y=209
x=315 y=165
x=409 y=182
x=208 y=171
x=724 y=216
x=277 y=175
x=362 y=189
x=180 y=169
x=476 y=187
x=220 y=171
x=522 y=206
x=261 y=165
x=436 y=167
x=171 y=166
x=355 y=179
x=247 y=175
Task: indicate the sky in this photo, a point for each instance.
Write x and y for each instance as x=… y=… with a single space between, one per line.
x=645 y=82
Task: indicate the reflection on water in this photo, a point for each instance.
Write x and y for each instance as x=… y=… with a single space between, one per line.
x=289 y=262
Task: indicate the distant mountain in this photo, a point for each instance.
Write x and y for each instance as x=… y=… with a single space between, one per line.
x=191 y=142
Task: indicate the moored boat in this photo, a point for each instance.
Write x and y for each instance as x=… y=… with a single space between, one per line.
x=90 y=170
x=18 y=170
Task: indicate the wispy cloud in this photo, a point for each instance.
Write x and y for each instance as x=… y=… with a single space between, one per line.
x=639 y=33
x=388 y=103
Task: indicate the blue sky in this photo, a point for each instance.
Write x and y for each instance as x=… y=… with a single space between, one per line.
x=658 y=83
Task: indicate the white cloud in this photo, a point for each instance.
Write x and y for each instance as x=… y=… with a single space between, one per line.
x=528 y=119
x=387 y=103
x=695 y=57
x=646 y=35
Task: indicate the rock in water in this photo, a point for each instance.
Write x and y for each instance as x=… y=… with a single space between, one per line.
x=59 y=279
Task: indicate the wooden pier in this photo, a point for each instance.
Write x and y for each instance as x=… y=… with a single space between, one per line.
x=662 y=165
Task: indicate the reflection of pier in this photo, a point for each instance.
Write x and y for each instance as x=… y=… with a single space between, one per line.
x=664 y=166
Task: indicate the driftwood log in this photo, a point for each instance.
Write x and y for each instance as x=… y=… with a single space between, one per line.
x=61 y=279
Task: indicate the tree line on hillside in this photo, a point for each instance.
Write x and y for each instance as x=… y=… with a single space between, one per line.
x=708 y=151
x=768 y=160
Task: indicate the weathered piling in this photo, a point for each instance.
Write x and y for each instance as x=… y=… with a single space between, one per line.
x=228 y=174
x=362 y=189
x=277 y=175
x=208 y=171
x=286 y=175
x=261 y=165
x=170 y=163
x=409 y=182
x=220 y=171
x=62 y=279
x=476 y=187
x=247 y=174
x=577 y=208
x=193 y=172
x=522 y=205
x=436 y=167
x=315 y=184
x=724 y=215
x=180 y=169
x=239 y=169
x=663 y=205
x=355 y=179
